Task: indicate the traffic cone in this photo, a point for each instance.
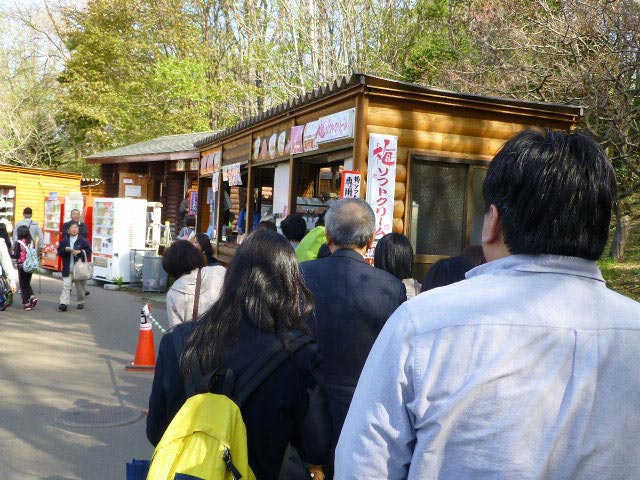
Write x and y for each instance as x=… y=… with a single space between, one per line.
x=145 y=360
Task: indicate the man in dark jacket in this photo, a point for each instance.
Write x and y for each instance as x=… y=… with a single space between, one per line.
x=353 y=300
x=83 y=230
x=72 y=248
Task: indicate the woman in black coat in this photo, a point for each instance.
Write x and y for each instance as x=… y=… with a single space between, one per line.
x=263 y=299
x=72 y=248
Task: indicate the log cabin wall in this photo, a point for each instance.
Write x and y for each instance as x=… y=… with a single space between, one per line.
x=236 y=150
x=173 y=187
x=437 y=131
x=109 y=174
x=155 y=171
x=428 y=130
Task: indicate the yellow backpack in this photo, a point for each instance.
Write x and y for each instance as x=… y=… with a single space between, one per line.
x=207 y=439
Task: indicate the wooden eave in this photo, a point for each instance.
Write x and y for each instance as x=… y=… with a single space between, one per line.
x=382 y=88
x=317 y=99
x=352 y=85
x=146 y=157
x=39 y=171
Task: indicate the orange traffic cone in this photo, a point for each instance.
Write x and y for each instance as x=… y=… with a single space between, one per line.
x=145 y=360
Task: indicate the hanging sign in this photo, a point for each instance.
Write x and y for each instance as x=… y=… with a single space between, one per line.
x=273 y=140
x=337 y=126
x=256 y=149
x=309 y=137
x=203 y=164
x=215 y=181
x=232 y=174
x=282 y=139
x=208 y=161
x=264 y=149
x=180 y=166
x=192 y=195
x=381 y=180
x=351 y=181
x=295 y=141
x=194 y=164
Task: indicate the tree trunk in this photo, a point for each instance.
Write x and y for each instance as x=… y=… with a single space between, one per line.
x=620 y=238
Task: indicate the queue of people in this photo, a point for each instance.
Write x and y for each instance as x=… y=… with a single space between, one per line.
x=17 y=249
x=515 y=361
x=25 y=249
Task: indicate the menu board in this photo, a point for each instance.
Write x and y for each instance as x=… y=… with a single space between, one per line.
x=52 y=215
x=103 y=228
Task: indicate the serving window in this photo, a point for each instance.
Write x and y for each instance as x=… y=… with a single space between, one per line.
x=317 y=185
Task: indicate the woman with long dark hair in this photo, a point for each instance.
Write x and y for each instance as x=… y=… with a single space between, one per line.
x=21 y=246
x=263 y=300
x=203 y=243
x=394 y=254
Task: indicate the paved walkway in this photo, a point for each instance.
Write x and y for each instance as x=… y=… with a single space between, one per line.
x=51 y=362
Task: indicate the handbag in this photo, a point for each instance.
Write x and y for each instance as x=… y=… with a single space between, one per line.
x=6 y=292
x=82 y=269
x=138 y=469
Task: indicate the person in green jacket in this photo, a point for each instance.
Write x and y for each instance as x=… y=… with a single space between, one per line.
x=310 y=245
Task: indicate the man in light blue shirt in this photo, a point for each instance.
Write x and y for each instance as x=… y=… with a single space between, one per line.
x=529 y=368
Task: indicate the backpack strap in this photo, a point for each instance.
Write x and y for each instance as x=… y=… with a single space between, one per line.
x=241 y=389
x=196 y=299
x=262 y=369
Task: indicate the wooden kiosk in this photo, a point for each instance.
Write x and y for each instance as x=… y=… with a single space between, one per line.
x=292 y=158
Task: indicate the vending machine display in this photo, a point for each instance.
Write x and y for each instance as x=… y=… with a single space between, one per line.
x=53 y=208
x=119 y=225
x=73 y=203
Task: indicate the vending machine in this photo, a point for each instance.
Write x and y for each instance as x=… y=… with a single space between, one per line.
x=57 y=211
x=75 y=201
x=119 y=225
x=53 y=208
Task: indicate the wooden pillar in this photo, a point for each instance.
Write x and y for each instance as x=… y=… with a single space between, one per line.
x=361 y=142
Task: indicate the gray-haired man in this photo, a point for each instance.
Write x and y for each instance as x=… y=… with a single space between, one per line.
x=353 y=301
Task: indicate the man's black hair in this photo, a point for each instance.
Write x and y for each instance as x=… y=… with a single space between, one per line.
x=554 y=190
x=294 y=227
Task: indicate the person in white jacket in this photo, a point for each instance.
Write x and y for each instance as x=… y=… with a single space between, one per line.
x=8 y=270
x=183 y=261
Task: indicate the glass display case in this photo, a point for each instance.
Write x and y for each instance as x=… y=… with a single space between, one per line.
x=8 y=203
x=52 y=224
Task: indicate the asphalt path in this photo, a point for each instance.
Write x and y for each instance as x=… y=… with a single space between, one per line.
x=60 y=369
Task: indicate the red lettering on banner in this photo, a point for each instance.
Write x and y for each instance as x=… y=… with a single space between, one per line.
x=328 y=128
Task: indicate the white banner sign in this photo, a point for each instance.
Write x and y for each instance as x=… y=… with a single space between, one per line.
x=337 y=126
x=309 y=138
x=351 y=182
x=381 y=180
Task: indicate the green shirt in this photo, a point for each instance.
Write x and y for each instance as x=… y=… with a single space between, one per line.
x=310 y=244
